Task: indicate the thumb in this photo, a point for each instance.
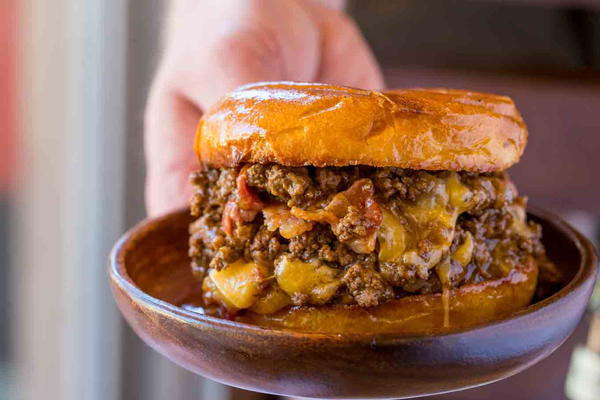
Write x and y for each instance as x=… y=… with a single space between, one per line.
x=212 y=52
x=242 y=42
x=346 y=58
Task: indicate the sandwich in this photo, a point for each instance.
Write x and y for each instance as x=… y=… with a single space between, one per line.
x=339 y=210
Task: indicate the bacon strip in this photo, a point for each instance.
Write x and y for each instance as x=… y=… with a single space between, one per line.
x=248 y=199
x=360 y=196
x=279 y=217
x=230 y=215
x=245 y=209
x=315 y=216
x=295 y=221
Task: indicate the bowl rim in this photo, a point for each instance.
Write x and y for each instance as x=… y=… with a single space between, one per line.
x=119 y=277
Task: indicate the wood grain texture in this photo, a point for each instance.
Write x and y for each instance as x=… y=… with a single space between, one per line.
x=149 y=273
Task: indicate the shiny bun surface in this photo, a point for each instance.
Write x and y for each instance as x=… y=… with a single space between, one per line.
x=297 y=124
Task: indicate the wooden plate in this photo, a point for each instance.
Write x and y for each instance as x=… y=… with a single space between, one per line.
x=149 y=273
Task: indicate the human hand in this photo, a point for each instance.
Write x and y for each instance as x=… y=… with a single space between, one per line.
x=213 y=47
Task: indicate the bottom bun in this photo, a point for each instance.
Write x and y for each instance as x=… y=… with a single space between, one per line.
x=459 y=308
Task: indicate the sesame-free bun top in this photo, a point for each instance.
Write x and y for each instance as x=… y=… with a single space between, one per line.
x=298 y=124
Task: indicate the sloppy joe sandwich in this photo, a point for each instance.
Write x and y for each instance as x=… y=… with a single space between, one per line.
x=333 y=209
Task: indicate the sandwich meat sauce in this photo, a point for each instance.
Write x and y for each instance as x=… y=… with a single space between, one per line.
x=269 y=236
x=319 y=197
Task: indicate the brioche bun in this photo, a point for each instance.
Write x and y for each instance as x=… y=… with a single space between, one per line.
x=466 y=306
x=298 y=124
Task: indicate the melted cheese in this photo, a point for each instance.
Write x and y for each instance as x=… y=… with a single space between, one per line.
x=446 y=270
x=446 y=305
x=464 y=252
x=391 y=237
x=280 y=217
x=274 y=300
x=519 y=221
x=460 y=195
x=432 y=219
x=317 y=281
x=240 y=283
x=211 y=294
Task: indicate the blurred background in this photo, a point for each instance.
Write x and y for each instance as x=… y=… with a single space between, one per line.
x=74 y=77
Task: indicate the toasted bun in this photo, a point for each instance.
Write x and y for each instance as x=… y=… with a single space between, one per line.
x=315 y=124
x=467 y=306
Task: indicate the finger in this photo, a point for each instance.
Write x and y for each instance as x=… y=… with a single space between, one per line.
x=170 y=124
x=333 y=4
x=346 y=58
x=195 y=74
x=261 y=40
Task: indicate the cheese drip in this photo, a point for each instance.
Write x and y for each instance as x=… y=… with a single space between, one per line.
x=239 y=285
x=431 y=220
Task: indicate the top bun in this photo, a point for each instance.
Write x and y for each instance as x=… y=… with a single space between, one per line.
x=316 y=124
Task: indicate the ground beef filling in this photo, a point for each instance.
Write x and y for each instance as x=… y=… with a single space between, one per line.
x=268 y=236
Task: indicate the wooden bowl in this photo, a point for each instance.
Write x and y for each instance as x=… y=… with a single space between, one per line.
x=150 y=275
